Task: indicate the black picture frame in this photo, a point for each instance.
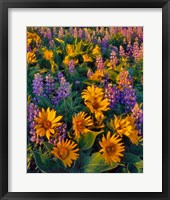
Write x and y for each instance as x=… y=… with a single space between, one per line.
x=4 y=5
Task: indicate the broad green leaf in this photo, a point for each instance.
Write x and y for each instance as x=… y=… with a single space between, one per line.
x=86 y=140
x=47 y=165
x=96 y=164
x=113 y=75
x=130 y=158
x=48 y=146
x=131 y=168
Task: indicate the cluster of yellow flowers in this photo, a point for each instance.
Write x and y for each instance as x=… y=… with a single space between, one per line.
x=111 y=145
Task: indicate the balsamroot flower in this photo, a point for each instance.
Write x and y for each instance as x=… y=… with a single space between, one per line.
x=95 y=101
x=48 y=54
x=31 y=57
x=81 y=123
x=112 y=148
x=66 y=151
x=127 y=127
x=47 y=122
x=97 y=75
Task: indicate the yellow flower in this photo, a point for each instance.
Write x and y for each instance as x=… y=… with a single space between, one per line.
x=31 y=58
x=42 y=71
x=96 y=51
x=87 y=58
x=111 y=148
x=48 y=54
x=97 y=76
x=68 y=58
x=69 y=49
x=66 y=152
x=47 y=122
x=33 y=37
x=81 y=123
x=94 y=100
x=126 y=127
x=59 y=40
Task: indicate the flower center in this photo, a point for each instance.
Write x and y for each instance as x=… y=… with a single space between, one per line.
x=110 y=149
x=96 y=105
x=47 y=124
x=63 y=153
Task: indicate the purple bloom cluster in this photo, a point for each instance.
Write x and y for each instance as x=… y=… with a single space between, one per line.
x=125 y=79
x=99 y=63
x=38 y=85
x=113 y=59
x=63 y=91
x=137 y=50
x=60 y=75
x=105 y=43
x=122 y=51
x=137 y=113
x=112 y=93
x=49 y=84
x=33 y=111
x=71 y=66
x=61 y=133
x=128 y=94
x=49 y=34
x=128 y=98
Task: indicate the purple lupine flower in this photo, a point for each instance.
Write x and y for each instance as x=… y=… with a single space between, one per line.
x=137 y=113
x=71 y=30
x=99 y=41
x=122 y=52
x=54 y=30
x=125 y=79
x=80 y=32
x=33 y=112
x=38 y=85
x=62 y=92
x=77 y=82
x=128 y=98
x=89 y=73
x=129 y=49
x=60 y=75
x=61 y=32
x=75 y=34
x=71 y=66
x=113 y=59
x=137 y=51
x=51 y=43
x=61 y=133
x=112 y=93
x=99 y=63
x=49 y=34
x=49 y=84
x=29 y=48
x=105 y=43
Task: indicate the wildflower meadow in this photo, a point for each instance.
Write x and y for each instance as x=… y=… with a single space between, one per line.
x=85 y=99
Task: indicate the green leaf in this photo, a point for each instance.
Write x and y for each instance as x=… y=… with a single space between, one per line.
x=132 y=168
x=47 y=165
x=139 y=166
x=130 y=158
x=96 y=164
x=86 y=141
x=113 y=75
x=44 y=102
x=48 y=146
